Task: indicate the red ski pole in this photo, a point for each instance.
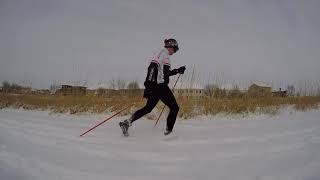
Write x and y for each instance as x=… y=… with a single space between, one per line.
x=164 y=105
x=106 y=120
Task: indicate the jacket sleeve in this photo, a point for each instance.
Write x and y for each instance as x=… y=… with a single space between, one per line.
x=152 y=74
x=167 y=72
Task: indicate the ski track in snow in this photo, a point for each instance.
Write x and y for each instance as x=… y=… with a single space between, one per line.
x=37 y=146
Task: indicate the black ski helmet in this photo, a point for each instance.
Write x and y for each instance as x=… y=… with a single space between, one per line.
x=171 y=43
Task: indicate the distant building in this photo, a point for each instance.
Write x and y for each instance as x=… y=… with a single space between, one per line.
x=105 y=92
x=72 y=90
x=79 y=90
x=260 y=90
x=279 y=93
x=65 y=90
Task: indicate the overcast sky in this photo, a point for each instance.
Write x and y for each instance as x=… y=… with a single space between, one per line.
x=76 y=41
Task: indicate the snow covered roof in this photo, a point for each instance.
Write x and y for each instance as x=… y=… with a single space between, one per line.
x=261 y=84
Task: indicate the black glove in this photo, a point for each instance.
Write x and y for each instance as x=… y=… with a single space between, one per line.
x=149 y=86
x=181 y=69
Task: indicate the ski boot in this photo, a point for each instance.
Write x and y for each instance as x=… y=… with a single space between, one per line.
x=125 y=126
x=167 y=132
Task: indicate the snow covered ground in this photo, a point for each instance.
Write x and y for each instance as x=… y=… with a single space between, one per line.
x=38 y=146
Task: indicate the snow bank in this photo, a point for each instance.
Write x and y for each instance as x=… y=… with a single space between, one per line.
x=35 y=145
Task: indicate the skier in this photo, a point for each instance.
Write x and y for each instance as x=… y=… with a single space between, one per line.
x=156 y=87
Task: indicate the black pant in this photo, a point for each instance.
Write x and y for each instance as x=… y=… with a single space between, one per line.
x=160 y=92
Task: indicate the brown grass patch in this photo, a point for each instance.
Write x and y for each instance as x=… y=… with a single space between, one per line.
x=188 y=107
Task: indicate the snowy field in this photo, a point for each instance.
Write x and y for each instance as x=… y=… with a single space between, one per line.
x=38 y=146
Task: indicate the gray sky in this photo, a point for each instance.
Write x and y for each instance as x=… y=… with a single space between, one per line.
x=46 y=41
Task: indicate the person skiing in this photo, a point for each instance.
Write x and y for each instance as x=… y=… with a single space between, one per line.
x=156 y=87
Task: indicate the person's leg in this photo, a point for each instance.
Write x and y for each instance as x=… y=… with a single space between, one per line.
x=168 y=99
x=151 y=103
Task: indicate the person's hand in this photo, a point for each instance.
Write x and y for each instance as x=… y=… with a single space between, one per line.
x=181 y=69
x=149 y=86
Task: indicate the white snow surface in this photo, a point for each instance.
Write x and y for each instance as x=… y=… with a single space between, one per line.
x=35 y=145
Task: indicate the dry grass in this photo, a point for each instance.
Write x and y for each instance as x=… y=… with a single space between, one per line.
x=65 y=104
x=188 y=108
x=244 y=105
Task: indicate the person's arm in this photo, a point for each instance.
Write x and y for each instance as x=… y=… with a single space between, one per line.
x=152 y=74
x=167 y=72
x=151 y=79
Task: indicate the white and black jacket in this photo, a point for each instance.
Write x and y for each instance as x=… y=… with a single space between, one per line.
x=159 y=69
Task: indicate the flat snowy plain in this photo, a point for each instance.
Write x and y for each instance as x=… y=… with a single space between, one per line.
x=37 y=146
